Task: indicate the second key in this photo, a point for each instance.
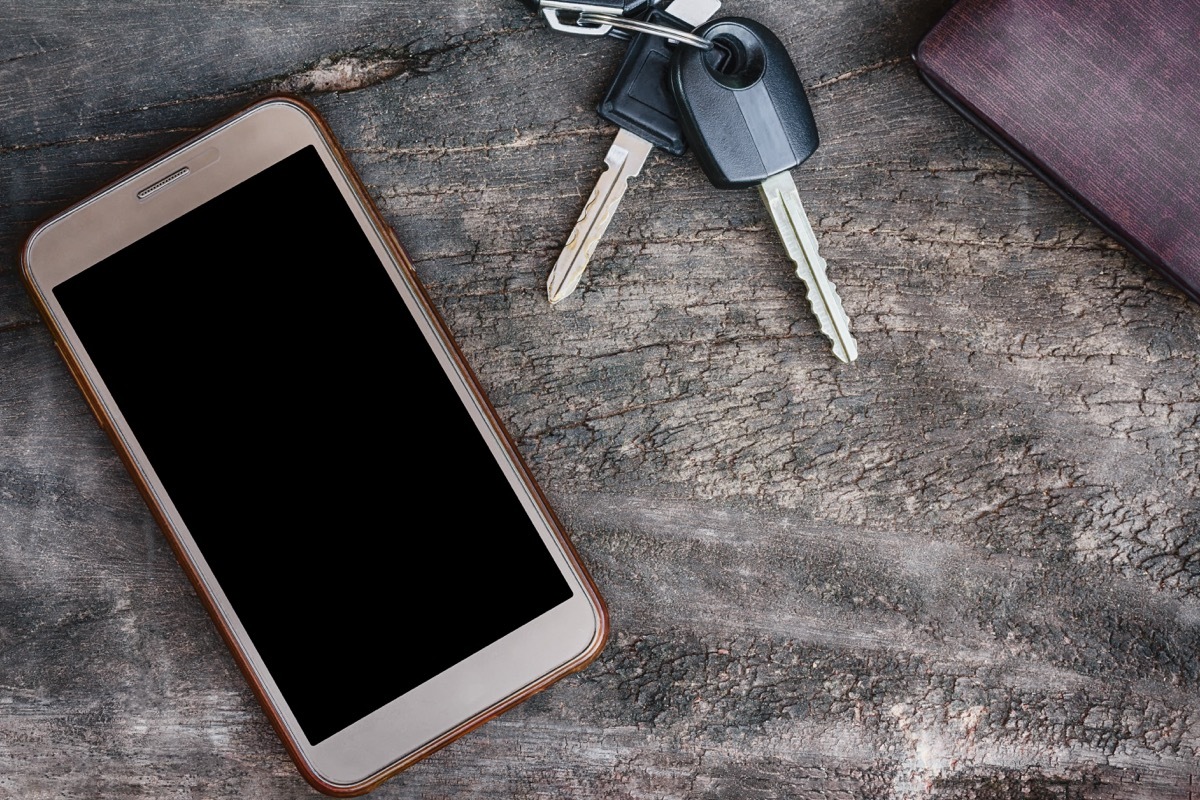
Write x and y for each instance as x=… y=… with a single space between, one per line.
x=640 y=103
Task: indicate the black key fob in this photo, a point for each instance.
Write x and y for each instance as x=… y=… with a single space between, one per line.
x=639 y=98
x=742 y=105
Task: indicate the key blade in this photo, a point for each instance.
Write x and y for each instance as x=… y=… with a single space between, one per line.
x=624 y=161
x=782 y=199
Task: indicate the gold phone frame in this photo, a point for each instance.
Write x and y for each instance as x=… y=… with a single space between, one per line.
x=494 y=679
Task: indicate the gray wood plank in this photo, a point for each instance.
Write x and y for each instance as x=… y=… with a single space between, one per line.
x=964 y=567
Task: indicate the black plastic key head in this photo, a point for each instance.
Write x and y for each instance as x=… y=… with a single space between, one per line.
x=742 y=106
x=639 y=98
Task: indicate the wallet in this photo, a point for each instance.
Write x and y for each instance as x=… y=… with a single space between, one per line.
x=1099 y=98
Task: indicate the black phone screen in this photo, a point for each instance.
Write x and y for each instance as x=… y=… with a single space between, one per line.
x=314 y=447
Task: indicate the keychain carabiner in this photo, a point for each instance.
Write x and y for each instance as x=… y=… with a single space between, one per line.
x=550 y=12
x=651 y=28
x=591 y=19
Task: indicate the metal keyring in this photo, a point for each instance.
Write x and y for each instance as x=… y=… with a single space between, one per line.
x=637 y=26
x=551 y=8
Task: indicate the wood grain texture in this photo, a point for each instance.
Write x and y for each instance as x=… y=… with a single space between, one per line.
x=966 y=566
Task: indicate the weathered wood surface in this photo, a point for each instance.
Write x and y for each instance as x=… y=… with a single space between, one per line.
x=966 y=566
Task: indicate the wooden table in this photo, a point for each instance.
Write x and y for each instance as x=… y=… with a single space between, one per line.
x=966 y=566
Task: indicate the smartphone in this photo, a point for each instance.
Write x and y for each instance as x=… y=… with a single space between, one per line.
x=255 y=342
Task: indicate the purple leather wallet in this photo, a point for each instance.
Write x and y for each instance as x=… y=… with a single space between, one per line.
x=1100 y=98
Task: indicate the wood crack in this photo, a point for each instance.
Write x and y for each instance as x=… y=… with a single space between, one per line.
x=104 y=137
x=19 y=325
x=857 y=72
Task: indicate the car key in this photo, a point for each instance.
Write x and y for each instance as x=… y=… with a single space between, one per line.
x=747 y=118
x=640 y=103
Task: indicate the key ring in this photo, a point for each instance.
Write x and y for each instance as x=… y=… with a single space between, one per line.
x=592 y=20
x=550 y=9
x=638 y=26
